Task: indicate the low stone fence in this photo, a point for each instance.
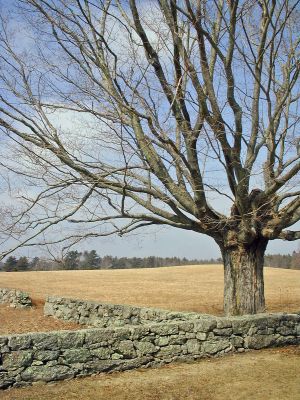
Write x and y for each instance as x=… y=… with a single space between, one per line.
x=107 y=315
x=55 y=356
x=15 y=298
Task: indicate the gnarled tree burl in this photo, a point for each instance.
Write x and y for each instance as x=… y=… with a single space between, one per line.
x=183 y=102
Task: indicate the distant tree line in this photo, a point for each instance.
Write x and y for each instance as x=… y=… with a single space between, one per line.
x=16 y=264
x=290 y=261
x=75 y=260
x=91 y=260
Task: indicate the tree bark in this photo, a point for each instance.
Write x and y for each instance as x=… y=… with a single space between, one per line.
x=243 y=278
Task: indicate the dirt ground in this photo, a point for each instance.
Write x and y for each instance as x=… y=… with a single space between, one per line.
x=15 y=320
x=188 y=288
x=271 y=374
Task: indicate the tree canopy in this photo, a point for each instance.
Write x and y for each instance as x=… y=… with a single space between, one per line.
x=173 y=105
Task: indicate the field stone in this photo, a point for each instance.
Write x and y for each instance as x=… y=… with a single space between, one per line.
x=169 y=351
x=3 y=345
x=224 y=323
x=189 y=335
x=290 y=319
x=68 y=340
x=5 y=380
x=23 y=300
x=146 y=347
x=186 y=326
x=162 y=341
x=20 y=342
x=45 y=341
x=139 y=332
x=175 y=339
x=259 y=341
x=82 y=310
x=126 y=348
x=100 y=311
x=69 y=314
x=205 y=325
x=76 y=355
x=101 y=365
x=214 y=347
x=286 y=340
x=286 y=330
x=52 y=362
x=241 y=325
x=17 y=359
x=15 y=298
x=135 y=363
x=237 y=341
x=98 y=336
x=117 y=356
x=47 y=373
x=105 y=315
x=184 y=336
x=3 y=350
x=3 y=341
x=127 y=312
x=122 y=333
x=15 y=373
x=37 y=362
x=46 y=355
x=223 y=331
x=193 y=346
x=201 y=336
x=83 y=321
x=117 y=323
x=164 y=330
x=93 y=320
x=259 y=325
x=102 y=353
x=49 y=309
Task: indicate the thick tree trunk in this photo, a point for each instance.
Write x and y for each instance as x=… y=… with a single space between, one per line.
x=243 y=278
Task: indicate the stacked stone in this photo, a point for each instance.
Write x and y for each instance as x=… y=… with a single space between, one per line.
x=15 y=298
x=55 y=356
x=106 y=315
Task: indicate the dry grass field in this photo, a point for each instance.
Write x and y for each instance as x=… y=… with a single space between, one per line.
x=188 y=288
x=265 y=375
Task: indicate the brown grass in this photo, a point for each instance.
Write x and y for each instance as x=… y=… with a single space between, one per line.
x=189 y=288
x=259 y=375
x=14 y=320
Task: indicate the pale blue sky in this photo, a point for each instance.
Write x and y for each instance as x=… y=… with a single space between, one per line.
x=170 y=242
x=163 y=242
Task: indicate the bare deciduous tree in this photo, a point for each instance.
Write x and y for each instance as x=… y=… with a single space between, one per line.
x=182 y=102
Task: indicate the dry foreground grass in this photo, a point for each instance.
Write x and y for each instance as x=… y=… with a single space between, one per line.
x=269 y=374
x=261 y=375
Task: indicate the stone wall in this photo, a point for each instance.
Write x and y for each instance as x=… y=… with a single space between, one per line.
x=107 y=315
x=15 y=298
x=55 y=356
